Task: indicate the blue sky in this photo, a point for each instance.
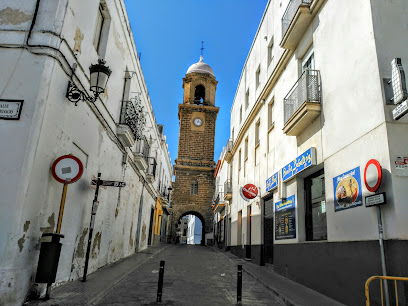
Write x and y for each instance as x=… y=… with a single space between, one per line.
x=169 y=33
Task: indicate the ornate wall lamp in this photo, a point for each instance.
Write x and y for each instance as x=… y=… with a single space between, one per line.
x=99 y=78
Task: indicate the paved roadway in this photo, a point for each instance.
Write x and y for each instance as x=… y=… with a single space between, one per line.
x=193 y=275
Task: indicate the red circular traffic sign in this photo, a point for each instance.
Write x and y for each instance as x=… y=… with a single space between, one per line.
x=67 y=169
x=250 y=191
x=373 y=175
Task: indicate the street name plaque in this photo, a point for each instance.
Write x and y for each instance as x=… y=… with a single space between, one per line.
x=10 y=109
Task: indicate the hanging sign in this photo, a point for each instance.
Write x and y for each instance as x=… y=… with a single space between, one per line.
x=299 y=164
x=248 y=192
x=67 y=169
x=372 y=175
x=10 y=109
x=272 y=182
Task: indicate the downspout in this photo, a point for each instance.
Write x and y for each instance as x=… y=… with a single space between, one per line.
x=37 y=5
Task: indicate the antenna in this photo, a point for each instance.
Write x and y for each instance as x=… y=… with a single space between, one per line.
x=202 y=48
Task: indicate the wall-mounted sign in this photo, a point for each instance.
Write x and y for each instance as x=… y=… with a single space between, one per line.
x=285 y=219
x=372 y=175
x=375 y=199
x=67 y=169
x=250 y=191
x=347 y=190
x=401 y=166
x=10 y=109
x=299 y=164
x=400 y=110
x=272 y=182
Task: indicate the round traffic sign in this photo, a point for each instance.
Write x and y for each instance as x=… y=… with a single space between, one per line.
x=372 y=175
x=67 y=169
x=250 y=191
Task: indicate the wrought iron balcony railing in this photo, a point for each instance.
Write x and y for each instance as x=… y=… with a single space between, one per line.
x=290 y=12
x=132 y=115
x=142 y=148
x=306 y=89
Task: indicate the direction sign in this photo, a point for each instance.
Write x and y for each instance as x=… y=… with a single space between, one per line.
x=67 y=169
x=375 y=199
x=109 y=183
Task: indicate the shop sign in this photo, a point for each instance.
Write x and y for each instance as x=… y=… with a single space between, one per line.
x=10 y=109
x=299 y=164
x=347 y=190
x=248 y=192
x=375 y=199
x=272 y=182
x=285 y=219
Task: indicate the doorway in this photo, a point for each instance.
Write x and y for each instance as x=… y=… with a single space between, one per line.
x=268 y=230
x=149 y=239
x=249 y=233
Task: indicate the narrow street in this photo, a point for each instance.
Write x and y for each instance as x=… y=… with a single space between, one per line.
x=194 y=275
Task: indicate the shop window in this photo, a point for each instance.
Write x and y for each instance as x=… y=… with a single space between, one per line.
x=101 y=29
x=194 y=188
x=316 y=221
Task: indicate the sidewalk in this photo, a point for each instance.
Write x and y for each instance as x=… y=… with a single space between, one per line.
x=290 y=292
x=99 y=282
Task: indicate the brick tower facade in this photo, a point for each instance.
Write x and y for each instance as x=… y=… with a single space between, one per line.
x=194 y=167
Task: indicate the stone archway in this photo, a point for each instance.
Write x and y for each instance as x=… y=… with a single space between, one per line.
x=199 y=216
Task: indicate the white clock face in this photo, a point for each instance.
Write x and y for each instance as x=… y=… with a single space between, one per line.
x=198 y=121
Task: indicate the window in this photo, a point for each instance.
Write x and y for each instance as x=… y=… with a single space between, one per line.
x=232 y=135
x=239 y=160
x=199 y=94
x=270 y=51
x=258 y=73
x=240 y=114
x=194 y=188
x=246 y=99
x=257 y=132
x=246 y=149
x=308 y=60
x=101 y=29
x=270 y=115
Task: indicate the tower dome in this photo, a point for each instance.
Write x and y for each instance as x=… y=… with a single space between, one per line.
x=200 y=67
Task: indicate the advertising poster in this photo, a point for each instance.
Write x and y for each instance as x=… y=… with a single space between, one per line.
x=347 y=190
x=285 y=223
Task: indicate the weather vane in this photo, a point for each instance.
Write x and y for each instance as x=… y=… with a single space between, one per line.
x=202 y=48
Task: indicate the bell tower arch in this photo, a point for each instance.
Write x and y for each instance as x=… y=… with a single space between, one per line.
x=194 y=167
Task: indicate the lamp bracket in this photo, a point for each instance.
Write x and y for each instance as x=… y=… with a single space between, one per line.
x=74 y=94
x=130 y=73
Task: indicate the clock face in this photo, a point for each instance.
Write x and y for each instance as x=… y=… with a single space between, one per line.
x=198 y=121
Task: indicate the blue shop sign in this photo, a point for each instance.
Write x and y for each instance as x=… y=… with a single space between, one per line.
x=272 y=182
x=299 y=164
x=289 y=203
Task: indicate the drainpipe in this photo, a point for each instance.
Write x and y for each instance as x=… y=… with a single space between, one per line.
x=139 y=217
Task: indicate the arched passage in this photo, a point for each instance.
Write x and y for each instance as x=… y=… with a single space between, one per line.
x=202 y=220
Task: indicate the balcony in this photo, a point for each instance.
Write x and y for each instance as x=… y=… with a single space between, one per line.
x=151 y=170
x=227 y=190
x=141 y=154
x=131 y=124
x=228 y=151
x=295 y=22
x=302 y=103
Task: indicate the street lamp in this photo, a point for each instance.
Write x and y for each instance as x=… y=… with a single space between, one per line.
x=99 y=78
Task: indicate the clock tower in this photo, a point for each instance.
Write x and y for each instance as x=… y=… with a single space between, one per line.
x=194 y=167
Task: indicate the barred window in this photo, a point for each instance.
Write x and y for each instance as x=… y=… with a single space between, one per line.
x=194 y=187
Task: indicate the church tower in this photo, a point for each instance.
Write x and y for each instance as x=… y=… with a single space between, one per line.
x=194 y=167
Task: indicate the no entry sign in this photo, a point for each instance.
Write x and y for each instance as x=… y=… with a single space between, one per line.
x=373 y=175
x=67 y=169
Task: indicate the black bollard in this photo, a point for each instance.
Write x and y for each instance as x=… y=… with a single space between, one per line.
x=160 y=287
x=239 y=285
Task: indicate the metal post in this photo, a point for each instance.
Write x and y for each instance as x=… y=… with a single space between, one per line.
x=91 y=227
x=239 y=285
x=160 y=287
x=61 y=211
x=384 y=268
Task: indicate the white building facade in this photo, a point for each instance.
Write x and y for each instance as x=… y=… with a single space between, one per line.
x=312 y=108
x=44 y=44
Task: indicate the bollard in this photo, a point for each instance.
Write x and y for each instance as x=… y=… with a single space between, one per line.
x=239 y=285
x=160 y=287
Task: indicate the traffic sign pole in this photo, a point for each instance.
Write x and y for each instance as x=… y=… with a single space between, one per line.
x=61 y=211
x=91 y=226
